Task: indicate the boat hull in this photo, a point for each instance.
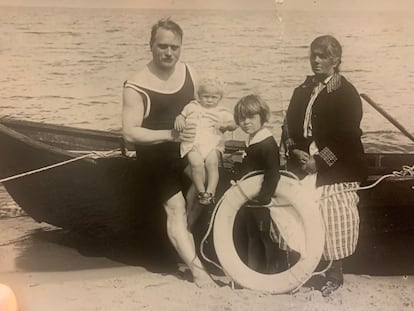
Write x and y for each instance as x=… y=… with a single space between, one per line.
x=386 y=229
x=97 y=196
x=105 y=197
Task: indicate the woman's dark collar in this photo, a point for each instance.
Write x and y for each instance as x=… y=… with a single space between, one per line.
x=333 y=84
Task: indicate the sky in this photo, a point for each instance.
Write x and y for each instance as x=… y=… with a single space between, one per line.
x=223 y=4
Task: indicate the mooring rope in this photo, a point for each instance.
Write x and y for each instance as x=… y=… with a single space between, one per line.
x=93 y=155
x=404 y=172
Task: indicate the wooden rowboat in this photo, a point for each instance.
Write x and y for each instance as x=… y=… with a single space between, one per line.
x=93 y=195
x=104 y=196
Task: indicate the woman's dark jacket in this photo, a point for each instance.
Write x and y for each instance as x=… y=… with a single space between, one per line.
x=336 y=117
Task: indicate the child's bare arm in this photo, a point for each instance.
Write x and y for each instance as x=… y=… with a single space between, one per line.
x=227 y=123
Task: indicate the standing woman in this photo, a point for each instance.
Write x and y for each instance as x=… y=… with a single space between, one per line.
x=323 y=136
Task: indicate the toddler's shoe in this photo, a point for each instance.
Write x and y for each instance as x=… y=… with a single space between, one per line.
x=205 y=198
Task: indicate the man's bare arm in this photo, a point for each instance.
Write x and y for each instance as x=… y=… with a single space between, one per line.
x=132 y=117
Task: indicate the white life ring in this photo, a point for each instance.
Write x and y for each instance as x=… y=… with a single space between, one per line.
x=303 y=202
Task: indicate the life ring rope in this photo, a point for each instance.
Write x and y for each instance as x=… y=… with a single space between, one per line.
x=236 y=184
x=213 y=215
x=293 y=274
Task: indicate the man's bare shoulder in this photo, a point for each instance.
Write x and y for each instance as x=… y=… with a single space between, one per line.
x=140 y=77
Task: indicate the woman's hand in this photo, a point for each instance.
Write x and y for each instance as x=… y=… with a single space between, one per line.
x=299 y=156
x=303 y=160
x=310 y=165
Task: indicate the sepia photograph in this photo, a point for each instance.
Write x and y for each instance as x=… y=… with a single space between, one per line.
x=206 y=155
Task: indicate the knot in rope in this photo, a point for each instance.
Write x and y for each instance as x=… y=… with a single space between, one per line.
x=406 y=171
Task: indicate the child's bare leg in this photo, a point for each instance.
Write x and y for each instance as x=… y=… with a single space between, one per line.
x=212 y=171
x=197 y=170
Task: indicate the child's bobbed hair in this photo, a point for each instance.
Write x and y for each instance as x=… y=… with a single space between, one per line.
x=250 y=105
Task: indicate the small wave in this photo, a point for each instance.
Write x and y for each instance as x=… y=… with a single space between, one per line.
x=387 y=141
x=356 y=70
x=53 y=33
x=237 y=83
x=126 y=44
x=278 y=113
x=55 y=96
x=399 y=46
x=20 y=97
x=88 y=61
x=113 y=30
x=300 y=46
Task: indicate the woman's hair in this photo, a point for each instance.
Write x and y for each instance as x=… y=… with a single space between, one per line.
x=250 y=105
x=329 y=45
x=212 y=82
x=168 y=24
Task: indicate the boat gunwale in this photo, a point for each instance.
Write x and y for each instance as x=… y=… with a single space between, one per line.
x=56 y=128
x=38 y=144
x=7 y=126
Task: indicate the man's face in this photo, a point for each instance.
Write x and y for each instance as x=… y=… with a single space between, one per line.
x=322 y=63
x=166 y=48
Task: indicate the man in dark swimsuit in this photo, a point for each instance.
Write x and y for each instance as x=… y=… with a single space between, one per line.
x=152 y=98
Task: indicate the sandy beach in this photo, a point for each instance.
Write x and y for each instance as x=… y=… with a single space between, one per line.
x=48 y=271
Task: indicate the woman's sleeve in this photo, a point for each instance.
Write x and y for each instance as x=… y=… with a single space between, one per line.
x=293 y=125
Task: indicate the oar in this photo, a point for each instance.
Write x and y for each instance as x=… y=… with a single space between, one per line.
x=388 y=117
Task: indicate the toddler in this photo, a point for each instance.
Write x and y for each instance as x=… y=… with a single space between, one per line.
x=211 y=122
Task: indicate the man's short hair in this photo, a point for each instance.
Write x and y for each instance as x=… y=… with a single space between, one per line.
x=168 y=24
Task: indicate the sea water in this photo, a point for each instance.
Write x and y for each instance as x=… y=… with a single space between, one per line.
x=66 y=66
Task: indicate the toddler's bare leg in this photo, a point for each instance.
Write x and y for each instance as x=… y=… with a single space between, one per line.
x=212 y=171
x=197 y=170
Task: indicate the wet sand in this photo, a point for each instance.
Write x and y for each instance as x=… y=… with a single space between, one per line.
x=51 y=269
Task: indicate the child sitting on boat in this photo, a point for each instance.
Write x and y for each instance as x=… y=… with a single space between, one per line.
x=261 y=153
x=211 y=122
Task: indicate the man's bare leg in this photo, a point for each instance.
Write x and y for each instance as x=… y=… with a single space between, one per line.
x=183 y=240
